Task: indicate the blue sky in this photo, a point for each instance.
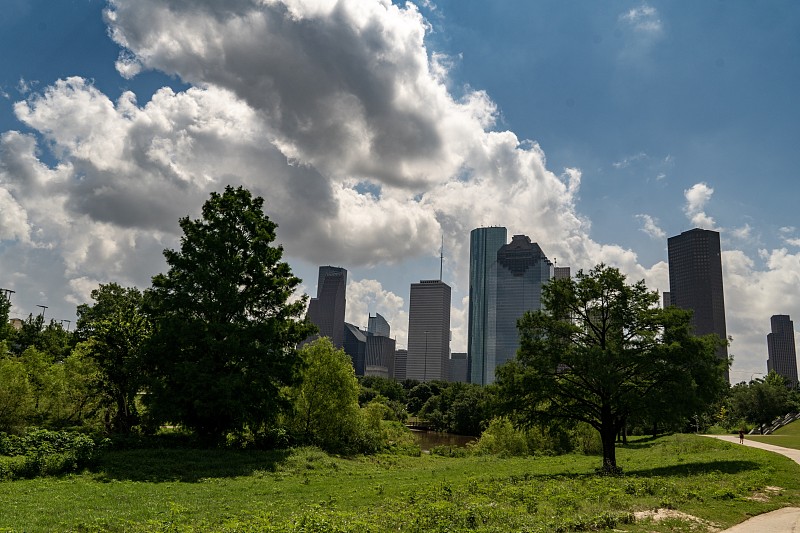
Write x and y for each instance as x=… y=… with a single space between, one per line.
x=371 y=129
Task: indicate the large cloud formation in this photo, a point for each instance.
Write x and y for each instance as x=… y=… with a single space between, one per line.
x=334 y=111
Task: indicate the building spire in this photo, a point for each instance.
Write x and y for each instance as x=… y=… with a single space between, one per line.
x=441 y=258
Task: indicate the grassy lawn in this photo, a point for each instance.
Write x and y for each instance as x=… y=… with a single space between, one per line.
x=788 y=436
x=308 y=491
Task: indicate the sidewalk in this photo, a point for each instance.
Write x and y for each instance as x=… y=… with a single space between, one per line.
x=786 y=520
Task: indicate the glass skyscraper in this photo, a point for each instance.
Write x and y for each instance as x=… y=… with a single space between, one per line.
x=484 y=243
x=522 y=270
x=326 y=311
x=505 y=281
x=781 y=349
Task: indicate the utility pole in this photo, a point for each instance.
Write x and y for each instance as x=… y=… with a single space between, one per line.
x=44 y=308
x=67 y=321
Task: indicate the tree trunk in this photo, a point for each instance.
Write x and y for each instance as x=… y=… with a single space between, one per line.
x=608 y=437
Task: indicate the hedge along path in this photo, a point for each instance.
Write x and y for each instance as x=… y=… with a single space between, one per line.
x=784 y=520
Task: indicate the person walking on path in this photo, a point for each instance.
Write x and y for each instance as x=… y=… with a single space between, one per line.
x=784 y=520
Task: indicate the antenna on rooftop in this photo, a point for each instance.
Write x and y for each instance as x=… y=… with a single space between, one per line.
x=441 y=258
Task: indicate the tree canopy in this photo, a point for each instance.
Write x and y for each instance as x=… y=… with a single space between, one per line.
x=224 y=328
x=603 y=351
x=762 y=400
x=114 y=331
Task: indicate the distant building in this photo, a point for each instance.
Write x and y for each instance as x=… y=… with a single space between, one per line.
x=561 y=273
x=428 y=331
x=484 y=244
x=781 y=347
x=522 y=271
x=695 y=282
x=355 y=345
x=666 y=300
x=400 y=358
x=16 y=323
x=326 y=311
x=377 y=325
x=458 y=368
x=380 y=356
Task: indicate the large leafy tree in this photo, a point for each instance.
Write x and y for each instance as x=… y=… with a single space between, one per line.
x=762 y=400
x=225 y=330
x=602 y=352
x=114 y=331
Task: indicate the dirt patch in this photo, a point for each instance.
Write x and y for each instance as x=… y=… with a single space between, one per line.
x=765 y=495
x=658 y=515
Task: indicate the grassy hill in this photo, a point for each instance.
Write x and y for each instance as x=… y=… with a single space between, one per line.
x=703 y=482
x=788 y=436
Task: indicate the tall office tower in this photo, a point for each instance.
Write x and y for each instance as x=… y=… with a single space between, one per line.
x=781 y=347
x=377 y=325
x=428 y=331
x=695 y=282
x=561 y=273
x=666 y=300
x=484 y=243
x=326 y=311
x=400 y=358
x=355 y=345
x=522 y=270
x=379 y=356
x=458 y=368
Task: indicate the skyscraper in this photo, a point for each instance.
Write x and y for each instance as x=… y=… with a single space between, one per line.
x=428 y=331
x=782 y=351
x=695 y=282
x=484 y=243
x=522 y=270
x=326 y=311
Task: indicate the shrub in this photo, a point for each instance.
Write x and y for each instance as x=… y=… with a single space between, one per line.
x=501 y=438
x=43 y=452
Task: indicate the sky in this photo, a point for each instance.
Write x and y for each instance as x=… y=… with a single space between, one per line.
x=374 y=130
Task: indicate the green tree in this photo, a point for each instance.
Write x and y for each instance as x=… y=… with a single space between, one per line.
x=224 y=328
x=326 y=411
x=114 y=331
x=761 y=401
x=460 y=408
x=16 y=400
x=601 y=352
x=5 y=309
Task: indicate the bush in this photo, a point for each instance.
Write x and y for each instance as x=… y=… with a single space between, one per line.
x=501 y=438
x=41 y=452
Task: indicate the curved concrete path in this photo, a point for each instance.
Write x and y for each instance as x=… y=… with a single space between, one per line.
x=786 y=520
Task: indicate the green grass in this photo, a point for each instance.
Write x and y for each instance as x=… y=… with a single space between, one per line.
x=306 y=490
x=788 y=436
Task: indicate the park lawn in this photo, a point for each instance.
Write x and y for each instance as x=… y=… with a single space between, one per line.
x=788 y=436
x=306 y=490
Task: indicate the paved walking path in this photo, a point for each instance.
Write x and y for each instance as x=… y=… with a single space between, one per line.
x=786 y=520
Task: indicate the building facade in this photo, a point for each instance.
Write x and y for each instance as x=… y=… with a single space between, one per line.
x=522 y=271
x=326 y=311
x=782 y=351
x=484 y=244
x=428 y=331
x=695 y=282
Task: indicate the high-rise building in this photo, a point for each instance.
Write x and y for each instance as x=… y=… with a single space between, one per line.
x=326 y=311
x=484 y=244
x=400 y=358
x=695 y=282
x=522 y=270
x=355 y=345
x=561 y=273
x=782 y=351
x=428 y=331
x=377 y=325
x=458 y=368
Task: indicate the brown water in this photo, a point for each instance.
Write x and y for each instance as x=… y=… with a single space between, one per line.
x=430 y=439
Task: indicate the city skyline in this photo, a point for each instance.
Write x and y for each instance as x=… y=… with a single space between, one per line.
x=378 y=130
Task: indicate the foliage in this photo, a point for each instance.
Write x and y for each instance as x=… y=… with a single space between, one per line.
x=501 y=438
x=51 y=339
x=16 y=400
x=603 y=352
x=5 y=308
x=459 y=408
x=224 y=329
x=43 y=452
x=326 y=412
x=762 y=400
x=115 y=330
